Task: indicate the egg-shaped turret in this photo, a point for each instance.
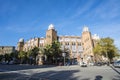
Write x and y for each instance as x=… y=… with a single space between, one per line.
x=51 y=26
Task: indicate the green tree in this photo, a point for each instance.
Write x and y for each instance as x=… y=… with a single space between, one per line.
x=97 y=52
x=14 y=54
x=48 y=52
x=35 y=52
x=29 y=56
x=41 y=51
x=29 y=53
x=22 y=56
x=57 y=52
x=106 y=48
x=1 y=57
x=53 y=52
x=32 y=54
x=56 y=49
x=7 y=57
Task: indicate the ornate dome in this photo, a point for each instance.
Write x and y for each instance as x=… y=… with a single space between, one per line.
x=21 y=40
x=51 y=26
x=85 y=29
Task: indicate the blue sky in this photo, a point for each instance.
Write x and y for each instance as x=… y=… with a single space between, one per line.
x=31 y=18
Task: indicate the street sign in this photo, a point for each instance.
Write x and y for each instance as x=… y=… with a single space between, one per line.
x=63 y=54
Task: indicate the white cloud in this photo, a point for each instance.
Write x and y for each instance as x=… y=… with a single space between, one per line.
x=81 y=10
x=106 y=10
x=108 y=30
x=18 y=29
x=32 y=26
x=22 y=29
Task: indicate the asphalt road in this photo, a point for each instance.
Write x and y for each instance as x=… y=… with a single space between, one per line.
x=31 y=72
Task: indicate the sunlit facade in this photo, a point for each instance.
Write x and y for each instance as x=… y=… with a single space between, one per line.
x=73 y=44
x=6 y=50
x=80 y=47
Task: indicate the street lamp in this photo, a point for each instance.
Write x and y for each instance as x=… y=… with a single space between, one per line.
x=64 y=54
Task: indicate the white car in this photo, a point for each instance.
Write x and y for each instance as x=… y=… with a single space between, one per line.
x=116 y=64
x=83 y=64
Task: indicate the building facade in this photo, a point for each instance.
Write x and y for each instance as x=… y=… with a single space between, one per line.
x=6 y=49
x=51 y=34
x=73 y=44
x=87 y=44
x=80 y=47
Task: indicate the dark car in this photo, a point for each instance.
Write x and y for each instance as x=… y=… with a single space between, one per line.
x=116 y=64
x=98 y=64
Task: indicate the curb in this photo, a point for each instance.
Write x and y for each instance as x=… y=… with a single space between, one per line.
x=115 y=70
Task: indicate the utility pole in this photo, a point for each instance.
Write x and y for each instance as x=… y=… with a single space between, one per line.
x=64 y=54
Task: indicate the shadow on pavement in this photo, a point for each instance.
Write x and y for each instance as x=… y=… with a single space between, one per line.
x=10 y=76
x=57 y=75
x=117 y=77
x=98 y=77
x=4 y=68
x=48 y=75
x=84 y=79
x=115 y=70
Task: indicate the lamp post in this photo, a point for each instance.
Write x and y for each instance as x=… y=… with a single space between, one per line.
x=64 y=54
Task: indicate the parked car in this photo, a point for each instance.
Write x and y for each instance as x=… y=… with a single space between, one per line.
x=91 y=64
x=14 y=62
x=3 y=62
x=11 y=62
x=98 y=64
x=116 y=64
x=83 y=64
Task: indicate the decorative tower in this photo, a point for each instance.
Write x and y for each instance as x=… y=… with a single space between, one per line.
x=87 y=45
x=20 y=44
x=51 y=34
